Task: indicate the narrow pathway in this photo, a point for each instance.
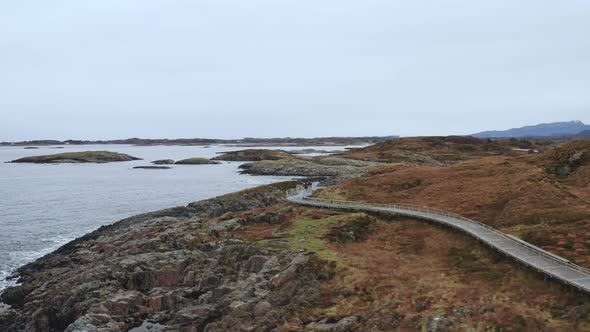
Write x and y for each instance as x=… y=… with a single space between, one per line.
x=551 y=265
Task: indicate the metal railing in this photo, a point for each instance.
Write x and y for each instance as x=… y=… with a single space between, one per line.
x=301 y=195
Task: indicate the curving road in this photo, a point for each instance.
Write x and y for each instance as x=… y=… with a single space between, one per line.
x=525 y=253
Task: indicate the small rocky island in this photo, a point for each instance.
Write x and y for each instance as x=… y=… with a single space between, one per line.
x=163 y=162
x=197 y=161
x=152 y=167
x=78 y=157
x=253 y=155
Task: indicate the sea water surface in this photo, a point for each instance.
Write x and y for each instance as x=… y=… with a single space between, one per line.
x=43 y=206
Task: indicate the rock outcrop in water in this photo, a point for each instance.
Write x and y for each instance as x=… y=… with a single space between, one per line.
x=78 y=157
x=163 y=162
x=152 y=167
x=197 y=161
x=253 y=155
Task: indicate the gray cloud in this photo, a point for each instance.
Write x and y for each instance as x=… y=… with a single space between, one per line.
x=228 y=68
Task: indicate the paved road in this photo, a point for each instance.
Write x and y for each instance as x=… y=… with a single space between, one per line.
x=551 y=265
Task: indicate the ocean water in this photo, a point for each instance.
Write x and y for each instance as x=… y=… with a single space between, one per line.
x=45 y=206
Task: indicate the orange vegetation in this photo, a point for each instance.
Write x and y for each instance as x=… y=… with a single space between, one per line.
x=415 y=271
x=404 y=273
x=513 y=194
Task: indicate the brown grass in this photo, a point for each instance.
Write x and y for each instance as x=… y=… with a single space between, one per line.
x=513 y=194
x=421 y=271
x=426 y=150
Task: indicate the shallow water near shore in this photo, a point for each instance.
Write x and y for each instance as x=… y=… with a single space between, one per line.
x=45 y=206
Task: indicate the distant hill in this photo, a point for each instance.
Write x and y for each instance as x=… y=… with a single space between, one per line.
x=540 y=130
x=584 y=134
x=249 y=141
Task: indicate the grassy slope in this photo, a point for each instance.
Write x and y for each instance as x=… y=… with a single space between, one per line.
x=416 y=271
x=512 y=194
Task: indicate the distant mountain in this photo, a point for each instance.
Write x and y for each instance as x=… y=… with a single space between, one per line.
x=540 y=130
x=583 y=134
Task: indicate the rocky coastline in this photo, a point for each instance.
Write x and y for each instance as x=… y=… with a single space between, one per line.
x=173 y=267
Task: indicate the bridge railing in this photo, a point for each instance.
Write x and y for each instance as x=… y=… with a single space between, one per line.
x=304 y=194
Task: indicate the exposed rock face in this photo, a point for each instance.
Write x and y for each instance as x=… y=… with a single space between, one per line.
x=78 y=157
x=166 y=267
x=197 y=161
x=163 y=162
x=253 y=155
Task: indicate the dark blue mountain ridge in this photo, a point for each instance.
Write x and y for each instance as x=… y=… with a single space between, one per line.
x=570 y=128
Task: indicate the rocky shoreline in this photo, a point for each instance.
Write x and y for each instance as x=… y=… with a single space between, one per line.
x=172 y=267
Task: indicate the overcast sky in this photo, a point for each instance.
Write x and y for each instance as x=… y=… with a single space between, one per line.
x=232 y=68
